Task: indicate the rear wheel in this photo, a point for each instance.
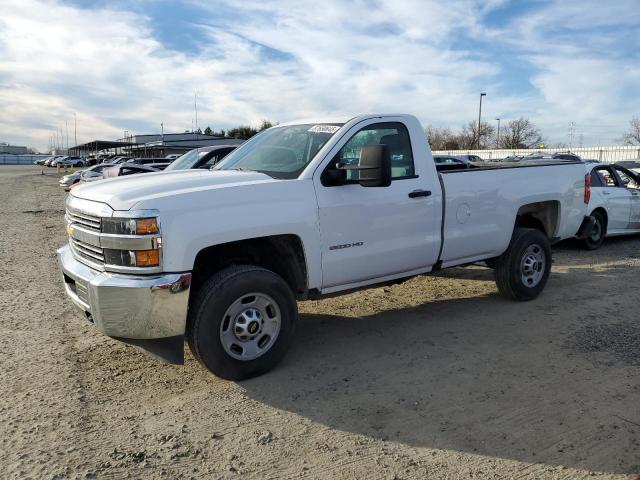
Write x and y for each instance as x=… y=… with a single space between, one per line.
x=523 y=270
x=596 y=239
x=241 y=322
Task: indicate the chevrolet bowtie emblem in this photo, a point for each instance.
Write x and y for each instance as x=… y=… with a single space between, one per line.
x=69 y=230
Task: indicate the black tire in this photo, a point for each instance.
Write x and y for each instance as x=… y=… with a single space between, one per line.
x=596 y=240
x=207 y=314
x=511 y=272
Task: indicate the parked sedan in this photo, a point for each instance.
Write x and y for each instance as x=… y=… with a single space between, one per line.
x=93 y=173
x=70 y=162
x=614 y=202
x=130 y=168
x=47 y=162
x=204 y=157
x=70 y=179
x=41 y=161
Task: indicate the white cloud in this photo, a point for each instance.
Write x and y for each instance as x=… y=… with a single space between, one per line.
x=288 y=59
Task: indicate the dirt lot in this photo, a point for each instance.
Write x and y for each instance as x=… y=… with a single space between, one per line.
x=435 y=378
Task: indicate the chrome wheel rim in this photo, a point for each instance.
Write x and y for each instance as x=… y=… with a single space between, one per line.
x=533 y=265
x=250 y=326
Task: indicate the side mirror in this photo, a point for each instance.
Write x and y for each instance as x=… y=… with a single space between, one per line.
x=374 y=166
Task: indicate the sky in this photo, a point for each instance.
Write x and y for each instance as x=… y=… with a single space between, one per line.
x=111 y=66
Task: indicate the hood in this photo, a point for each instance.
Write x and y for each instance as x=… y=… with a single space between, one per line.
x=122 y=193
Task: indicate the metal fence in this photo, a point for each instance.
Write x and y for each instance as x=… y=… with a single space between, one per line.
x=609 y=154
x=7 y=159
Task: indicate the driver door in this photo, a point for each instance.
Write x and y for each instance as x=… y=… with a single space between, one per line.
x=373 y=232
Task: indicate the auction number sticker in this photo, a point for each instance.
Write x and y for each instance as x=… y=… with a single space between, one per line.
x=324 y=129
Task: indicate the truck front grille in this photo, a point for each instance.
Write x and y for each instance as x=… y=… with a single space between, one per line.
x=89 y=252
x=87 y=221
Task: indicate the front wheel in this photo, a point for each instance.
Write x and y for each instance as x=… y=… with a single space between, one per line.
x=523 y=270
x=241 y=322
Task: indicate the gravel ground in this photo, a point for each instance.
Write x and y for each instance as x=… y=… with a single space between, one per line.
x=436 y=378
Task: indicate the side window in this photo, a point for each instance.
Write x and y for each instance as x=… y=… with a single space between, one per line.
x=216 y=158
x=606 y=177
x=392 y=134
x=596 y=179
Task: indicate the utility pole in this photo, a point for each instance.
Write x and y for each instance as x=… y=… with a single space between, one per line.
x=75 y=129
x=480 y=118
x=195 y=106
x=498 y=137
x=66 y=128
x=572 y=127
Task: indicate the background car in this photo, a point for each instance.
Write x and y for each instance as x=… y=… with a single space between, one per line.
x=70 y=179
x=92 y=174
x=117 y=159
x=41 y=161
x=47 y=162
x=633 y=165
x=614 y=202
x=469 y=158
x=129 y=168
x=449 y=162
x=205 y=157
x=148 y=161
x=70 y=162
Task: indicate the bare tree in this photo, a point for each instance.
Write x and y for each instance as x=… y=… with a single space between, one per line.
x=442 y=138
x=632 y=137
x=520 y=133
x=468 y=138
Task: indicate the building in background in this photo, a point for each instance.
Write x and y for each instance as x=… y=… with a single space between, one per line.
x=153 y=145
x=161 y=145
x=5 y=148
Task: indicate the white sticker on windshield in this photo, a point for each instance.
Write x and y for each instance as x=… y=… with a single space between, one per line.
x=324 y=129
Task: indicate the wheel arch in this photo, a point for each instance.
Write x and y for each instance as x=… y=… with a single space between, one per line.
x=604 y=213
x=543 y=216
x=282 y=254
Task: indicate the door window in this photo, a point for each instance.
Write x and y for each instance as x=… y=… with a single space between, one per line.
x=606 y=178
x=393 y=134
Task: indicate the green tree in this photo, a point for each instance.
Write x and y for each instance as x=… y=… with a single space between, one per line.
x=243 y=131
x=264 y=125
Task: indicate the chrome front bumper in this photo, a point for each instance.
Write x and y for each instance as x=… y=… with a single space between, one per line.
x=128 y=307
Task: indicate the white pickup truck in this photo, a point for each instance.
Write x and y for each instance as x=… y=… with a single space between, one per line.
x=302 y=210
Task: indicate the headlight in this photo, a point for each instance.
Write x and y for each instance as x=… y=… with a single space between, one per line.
x=132 y=258
x=130 y=226
x=132 y=242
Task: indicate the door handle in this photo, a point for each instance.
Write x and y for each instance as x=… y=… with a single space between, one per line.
x=420 y=193
x=606 y=193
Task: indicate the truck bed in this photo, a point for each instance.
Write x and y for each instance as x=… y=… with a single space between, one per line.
x=479 y=201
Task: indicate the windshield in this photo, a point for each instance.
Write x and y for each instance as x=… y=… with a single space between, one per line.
x=280 y=152
x=186 y=161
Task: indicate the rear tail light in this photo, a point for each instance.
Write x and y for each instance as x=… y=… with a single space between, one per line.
x=587 y=188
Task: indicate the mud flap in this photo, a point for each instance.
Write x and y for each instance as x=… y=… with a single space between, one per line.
x=169 y=349
x=586 y=229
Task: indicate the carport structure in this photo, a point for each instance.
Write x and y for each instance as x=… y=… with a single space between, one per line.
x=97 y=146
